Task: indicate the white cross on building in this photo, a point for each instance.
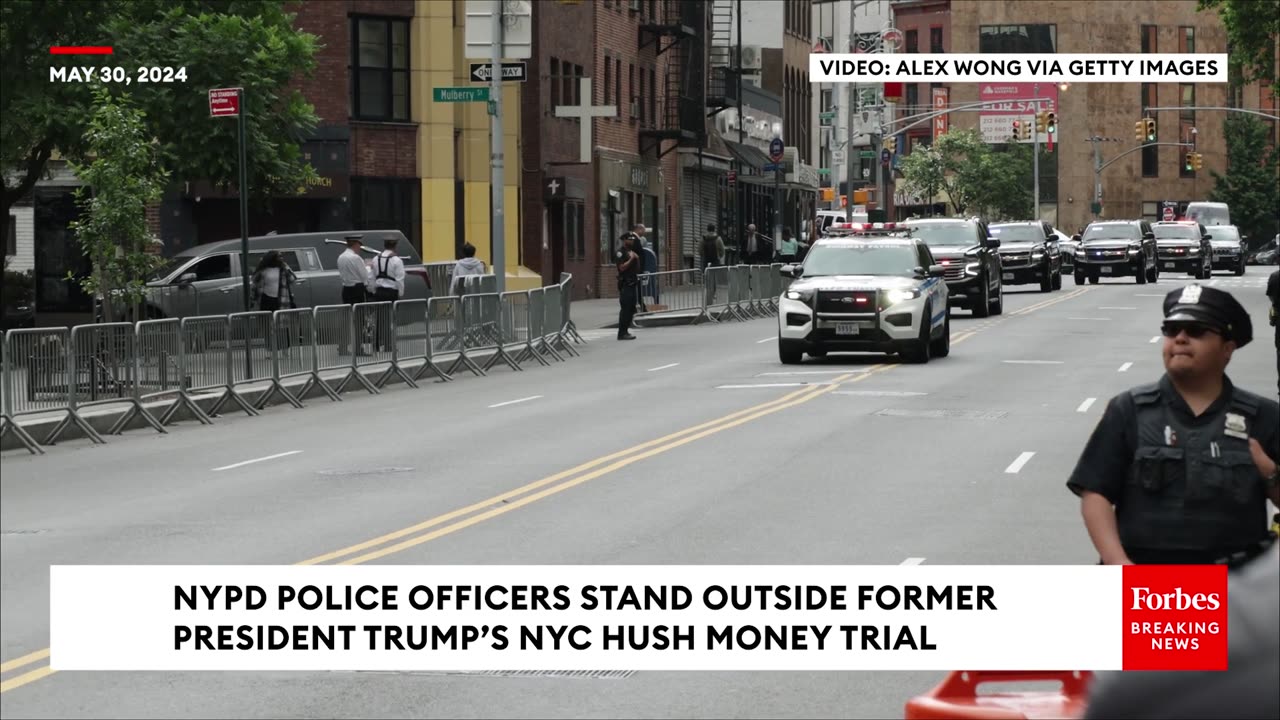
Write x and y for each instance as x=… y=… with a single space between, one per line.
x=553 y=186
x=586 y=112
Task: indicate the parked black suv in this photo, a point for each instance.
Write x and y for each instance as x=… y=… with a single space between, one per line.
x=1184 y=246
x=1029 y=254
x=1115 y=248
x=967 y=253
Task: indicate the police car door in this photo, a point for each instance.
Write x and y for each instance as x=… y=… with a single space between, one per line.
x=936 y=287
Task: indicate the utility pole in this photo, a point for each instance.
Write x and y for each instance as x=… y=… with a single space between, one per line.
x=853 y=109
x=738 y=191
x=1097 y=178
x=1035 y=150
x=497 y=228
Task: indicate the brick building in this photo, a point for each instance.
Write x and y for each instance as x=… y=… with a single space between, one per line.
x=926 y=28
x=1136 y=185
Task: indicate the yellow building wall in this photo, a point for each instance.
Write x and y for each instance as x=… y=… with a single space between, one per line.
x=440 y=62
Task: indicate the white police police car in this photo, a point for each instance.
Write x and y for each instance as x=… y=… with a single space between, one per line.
x=877 y=290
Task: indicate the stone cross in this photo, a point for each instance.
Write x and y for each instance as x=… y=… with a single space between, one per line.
x=586 y=112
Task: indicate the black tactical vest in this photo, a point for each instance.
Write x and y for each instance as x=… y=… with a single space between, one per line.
x=1192 y=492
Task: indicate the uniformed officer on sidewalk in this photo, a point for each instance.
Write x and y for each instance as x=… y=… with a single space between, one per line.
x=1179 y=471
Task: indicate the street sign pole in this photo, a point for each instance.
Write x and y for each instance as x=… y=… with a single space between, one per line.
x=777 y=152
x=497 y=235
x=1035 y=150
x=244 y=200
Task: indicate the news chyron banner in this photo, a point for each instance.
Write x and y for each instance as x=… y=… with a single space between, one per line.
x=1049 y=68
x=682 y=617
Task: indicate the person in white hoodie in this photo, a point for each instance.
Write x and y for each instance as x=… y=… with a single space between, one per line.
x=468 y=265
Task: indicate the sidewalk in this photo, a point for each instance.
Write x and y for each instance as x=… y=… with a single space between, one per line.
x=603 y=313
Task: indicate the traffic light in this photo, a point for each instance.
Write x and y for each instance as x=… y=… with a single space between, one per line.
x=1190 y=163
x=1017 y=130
x=1197 y=161
x=1026 y=131
x=1042 y=119
x=1140 y=130
x=891 y=144
x=1051 y=123
x=1151 y=129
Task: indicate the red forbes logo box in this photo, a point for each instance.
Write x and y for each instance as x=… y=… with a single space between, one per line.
x=1175 y=617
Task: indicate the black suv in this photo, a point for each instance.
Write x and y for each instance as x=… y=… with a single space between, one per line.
x=967 y=252
x=1116 y=248
x=1029 y=254
x=1184 y=246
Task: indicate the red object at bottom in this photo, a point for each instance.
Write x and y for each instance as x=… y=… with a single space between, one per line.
x=957 y=698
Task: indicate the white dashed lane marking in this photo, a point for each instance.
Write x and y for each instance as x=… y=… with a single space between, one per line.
x=1084 y=406
x=1017 y=464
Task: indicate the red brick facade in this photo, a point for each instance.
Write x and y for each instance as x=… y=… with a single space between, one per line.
x=382 y=150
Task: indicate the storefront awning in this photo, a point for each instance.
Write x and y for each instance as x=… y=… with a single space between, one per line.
x=747 y=155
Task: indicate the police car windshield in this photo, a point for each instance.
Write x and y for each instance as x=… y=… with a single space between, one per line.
x=950 y=234
x=1118 y=231
x=860 y=260
x=1224 y=232
x=1017 y=233
x=1176 y=232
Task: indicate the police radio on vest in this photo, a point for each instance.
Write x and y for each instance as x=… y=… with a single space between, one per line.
x=1144 y=599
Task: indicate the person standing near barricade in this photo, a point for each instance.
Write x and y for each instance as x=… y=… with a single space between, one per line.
x=754 y=243
x=788 y=248
x=712 y=257
x=272 y=283
x=354 y=274
x=1179 y=471
x=468 y=265
x=628 y=262
x=387 y=285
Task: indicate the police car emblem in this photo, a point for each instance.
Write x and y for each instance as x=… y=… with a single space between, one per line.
x=1190 y=295
x=1236 y=427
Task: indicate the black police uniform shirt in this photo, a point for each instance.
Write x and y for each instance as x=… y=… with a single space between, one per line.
x=631 y=274
x=1106 y=466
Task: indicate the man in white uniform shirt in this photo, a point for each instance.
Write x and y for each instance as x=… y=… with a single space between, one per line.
x=386 y=280
x=354 y=274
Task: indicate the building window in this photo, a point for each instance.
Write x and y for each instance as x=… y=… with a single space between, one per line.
x=913 y=97
x=1186 y=125
x=1148 y=38
x=935 y=40
x=913 y=41
x=575 y=247
x=608 y=79
x=388 y=204
x=1018 y=39
x=632 y=108
x=641 y=100
x=380 y=69
x=553 y=82
x=1150 y=211
x=1186 y=39
x=617 y=86
x=653 y=97
x=1150 y=153
x=11 y=237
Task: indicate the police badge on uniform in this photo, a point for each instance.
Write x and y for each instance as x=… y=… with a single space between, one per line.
x=1190 y=295
x=1235 y=427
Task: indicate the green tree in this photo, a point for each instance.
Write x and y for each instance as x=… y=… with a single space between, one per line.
x=975 y=178
x=122 y=178
x=1250 y=185
x=1253 y=27
x=923 y=172
x=216 y=43
x=1005 y=190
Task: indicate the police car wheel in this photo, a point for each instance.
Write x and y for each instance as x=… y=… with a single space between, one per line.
x=789 y=356
x=1080 y=279
x=941 y=347
x=1057 y=281
x=917 y=351
x=981 y=305
x=997 y=308
x=1240 y=267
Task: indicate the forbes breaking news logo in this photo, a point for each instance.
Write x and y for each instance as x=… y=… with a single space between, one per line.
x=1175 y=617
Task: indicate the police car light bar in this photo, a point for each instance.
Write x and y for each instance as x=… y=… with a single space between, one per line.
x=864 y=226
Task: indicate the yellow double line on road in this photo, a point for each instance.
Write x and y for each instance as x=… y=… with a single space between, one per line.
x=476 y=513
x=1052 y=301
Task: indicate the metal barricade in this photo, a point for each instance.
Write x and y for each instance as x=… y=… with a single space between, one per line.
x=553 y=320
x=479 y=329
x=566 y=302
x=537 y=337
x=294 y=345
x=372 y=323
x=41 y=377
x=104 y=367
x=513 y=325
x=159 y=367
x=206 y=363
x=252 y=360
x=445 y=324
x=7 y=422
x=674 y=292
x=739 y=291
x=758 y=290
x=412 y=342
x=336 y=345
x=715 y=298
x=439 y=274
x=780 y=285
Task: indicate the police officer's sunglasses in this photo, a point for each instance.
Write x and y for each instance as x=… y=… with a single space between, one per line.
x=1194 y=330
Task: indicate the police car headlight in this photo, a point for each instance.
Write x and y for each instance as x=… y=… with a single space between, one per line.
x=1134 y=248
x=898 y=295
x=1193 y=251
x=801 y=295
x=1037 y=254
x=971 y=269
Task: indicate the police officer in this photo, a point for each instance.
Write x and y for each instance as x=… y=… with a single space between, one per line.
x=1182 y=460
x=628 y=261
x=1273 y=292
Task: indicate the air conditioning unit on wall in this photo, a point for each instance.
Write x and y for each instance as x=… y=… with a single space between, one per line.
x=750 y=59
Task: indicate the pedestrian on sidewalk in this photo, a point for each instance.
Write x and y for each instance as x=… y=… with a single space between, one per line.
x=387 y=285
x=789 y=248
x=1179 y=471
x=712 y=257
x=272 y=289
x=628 y=262
x=354 y=274
x=468 y=265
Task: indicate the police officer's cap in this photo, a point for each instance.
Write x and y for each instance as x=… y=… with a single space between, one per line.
x=1210 y=306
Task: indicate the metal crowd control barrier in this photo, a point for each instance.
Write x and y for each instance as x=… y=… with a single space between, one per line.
x=254 y=360
x=295 y=343
x=335 y=345
x=7 y=423
x=513 y=342
x=553 y=320
x=446 y=319
x=205 y=358
x=566 y=299
x=537 y=348
x=103 y=371
x=674 y=291
x=413 y=341
x=160 y=370
x=373 y=323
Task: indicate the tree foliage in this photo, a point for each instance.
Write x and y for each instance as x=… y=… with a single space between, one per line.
x=124 y=175
x=221 y=43
x=1252 y=29
x=1250 y=186
x=976 y=178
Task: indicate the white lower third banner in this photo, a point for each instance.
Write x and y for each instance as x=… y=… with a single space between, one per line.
x=679 y=617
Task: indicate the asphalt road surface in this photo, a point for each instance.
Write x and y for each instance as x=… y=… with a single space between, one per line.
x=847 y=460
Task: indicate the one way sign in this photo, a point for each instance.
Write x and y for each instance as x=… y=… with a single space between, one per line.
x=511 y=72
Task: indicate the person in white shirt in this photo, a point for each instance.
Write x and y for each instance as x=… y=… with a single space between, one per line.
x=354 y=274
x=386 y=280
x=468 y=265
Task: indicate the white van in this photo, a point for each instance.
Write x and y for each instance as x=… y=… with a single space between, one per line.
x=827 y=217
x=1209 y=213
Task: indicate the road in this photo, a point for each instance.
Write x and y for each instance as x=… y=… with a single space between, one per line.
x=686 y=446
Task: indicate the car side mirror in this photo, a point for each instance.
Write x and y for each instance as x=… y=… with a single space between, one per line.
x=1075 y=238
x=993 y=243
x=187 y=279
x=791 y=271
x=937 y=271
x=1148 y=236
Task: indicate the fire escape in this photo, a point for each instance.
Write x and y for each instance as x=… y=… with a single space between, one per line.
x=678 y=31
x=722 y=91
